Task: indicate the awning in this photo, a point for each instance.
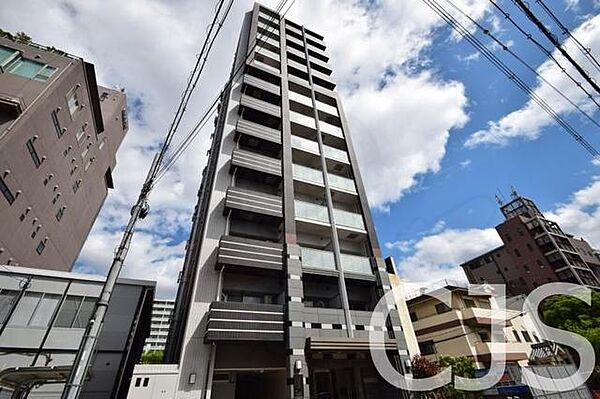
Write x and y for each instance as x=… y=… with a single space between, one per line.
x=347 y=344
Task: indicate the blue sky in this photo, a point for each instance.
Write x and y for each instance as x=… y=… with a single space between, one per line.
x=415 y=95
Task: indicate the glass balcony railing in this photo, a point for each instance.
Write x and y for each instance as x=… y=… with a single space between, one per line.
x=303 y=119
x=336 y=154
x=331 y=129
x=307 y=174
x=341 y=183
x=315 y=212
x=348 y=219
x=327 y=108
x=299 y=98
x=356 y=264
x=318 y=259
x=304 y=144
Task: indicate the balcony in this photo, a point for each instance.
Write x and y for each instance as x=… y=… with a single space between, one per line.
x=330 y=109
x=297 y=65
x=253 y=201
x=299 y=98
x=303 y=120
x=321 y=63
x=306 y=211
x=295 y=40
x=305 y=145
x=258 y=131
x=331 y=129
x=293 y=29
x=348 y=220
x=321 y=75
x=260 y=105
x=297 y=53
x=255 y=162
x=341 y=183
x=308 y=175
x=324 y=260
x=261 y=84
x=244 y=253
x=237 y=321
x=336 y=154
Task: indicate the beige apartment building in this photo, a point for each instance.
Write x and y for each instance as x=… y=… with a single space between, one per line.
x=59 y=133
x=464 y=328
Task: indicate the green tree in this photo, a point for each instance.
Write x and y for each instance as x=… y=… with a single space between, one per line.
x=152 y=357
x=22 y=37
x=461 y=366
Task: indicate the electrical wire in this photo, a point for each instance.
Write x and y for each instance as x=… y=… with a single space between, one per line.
x=186 y=142
x=545 y=51
x=506 y=48
x=471 y=39
x=587 y=52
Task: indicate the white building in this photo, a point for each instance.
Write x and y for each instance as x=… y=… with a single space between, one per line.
x=162 y=311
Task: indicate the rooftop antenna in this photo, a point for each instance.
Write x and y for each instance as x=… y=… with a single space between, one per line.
x=499 y=200
x=513 y=193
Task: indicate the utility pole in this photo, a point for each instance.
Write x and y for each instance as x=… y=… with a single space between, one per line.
x=540 y=25
x=92 y=332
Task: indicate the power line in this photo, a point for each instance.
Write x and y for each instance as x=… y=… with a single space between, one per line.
x=587 y=52
x=182 y=147
x=87 y=346
x=545 y=51
x=506 y=48
x=531 y=16
x=458 y=27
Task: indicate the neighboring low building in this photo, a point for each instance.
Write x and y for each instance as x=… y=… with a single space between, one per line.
x=162 y=311
x=536 y=251
x=464 y=329
x=156 y=381
x=59 y=133
x=43 y=316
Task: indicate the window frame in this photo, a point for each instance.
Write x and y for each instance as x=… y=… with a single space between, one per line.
x=37 y=161
x=6 y=192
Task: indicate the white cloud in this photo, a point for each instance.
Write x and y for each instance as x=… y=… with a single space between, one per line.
x=529 y=121
x=581 y=214
x=465 y=163
x=148 y=47
x=439 y=255
x=402 y=246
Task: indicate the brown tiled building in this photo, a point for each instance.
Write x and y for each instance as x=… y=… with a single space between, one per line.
x=59 y=133
x=535 y=251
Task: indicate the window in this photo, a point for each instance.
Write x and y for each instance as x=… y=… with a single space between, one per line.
x=104 y=96
x=7 y=54
x=484 y=303
x=516 y=334
x=33 y=153
x=138 y=382
x=40 y=248
x=56 y=123
x=60 y=214
x=526 y=336
x=469 y=303
x=85 y=312
x=80 y=135
x=442 y=308
x=484 y=336
x=7 y=297
x=73 y=102
x=413 y=316
x=28 y=68
x=146 y=380
x=6 y=192
x=25 y=309
x=45 y=310
x=427 y=348
x=76 y=186
x=68 y=311
x=124 y=119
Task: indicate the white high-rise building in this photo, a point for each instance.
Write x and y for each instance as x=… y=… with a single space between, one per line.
x=162 y=311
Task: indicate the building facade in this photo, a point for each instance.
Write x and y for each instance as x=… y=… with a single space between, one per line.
x=43 y=316
x=59 y=133
x=464 y=328
x=536 y=251
x=162 y=311
x=283 y=267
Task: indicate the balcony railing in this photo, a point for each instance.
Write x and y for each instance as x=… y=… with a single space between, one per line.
x=303 y=120
x=259 y=131
x=341 y=183
x=242 y=253
x=300 y=98
x=313 y=212
x=348 y=219
x=330 y=109
x=301 y=143
x=253 y=201
x=307 y=174
x=251 y=160
x=356 y=264
x=297 y=65
x=237 y=321
x=318 y=259
x=262 y=84
x=260 y=105
x=336 y=154
x=331 y=129
x=268 y=53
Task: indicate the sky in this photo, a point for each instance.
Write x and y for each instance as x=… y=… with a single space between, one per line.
x=438 y=130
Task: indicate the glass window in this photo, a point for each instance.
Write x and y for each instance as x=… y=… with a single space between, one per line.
x=80 y=135
x=56 y=123
x=40 y=248
x=7 y=298
x=469 y=303
x=6 y=54
x=85 y=312
x=442 y=308
x=25 y=309
x=45 y=310
x=146 y=380
x=68 y=311
x=516 y=334
x=484 y=336
x=33 y=153
x=73 y=102
x=138 y=381
x=30 y=69
x=526 y=336
x=427 y=348
x=6 y=192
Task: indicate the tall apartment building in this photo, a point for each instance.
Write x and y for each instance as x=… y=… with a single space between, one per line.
x=59 y=133
x=162 y=311
x=535 y=251
x=283 y=266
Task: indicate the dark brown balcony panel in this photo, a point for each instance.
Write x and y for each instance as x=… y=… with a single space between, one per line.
x=246 y=253
x=260 y=105
x=257 y=130
x=253 y=201
x=256 y=162
x=236 y=321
